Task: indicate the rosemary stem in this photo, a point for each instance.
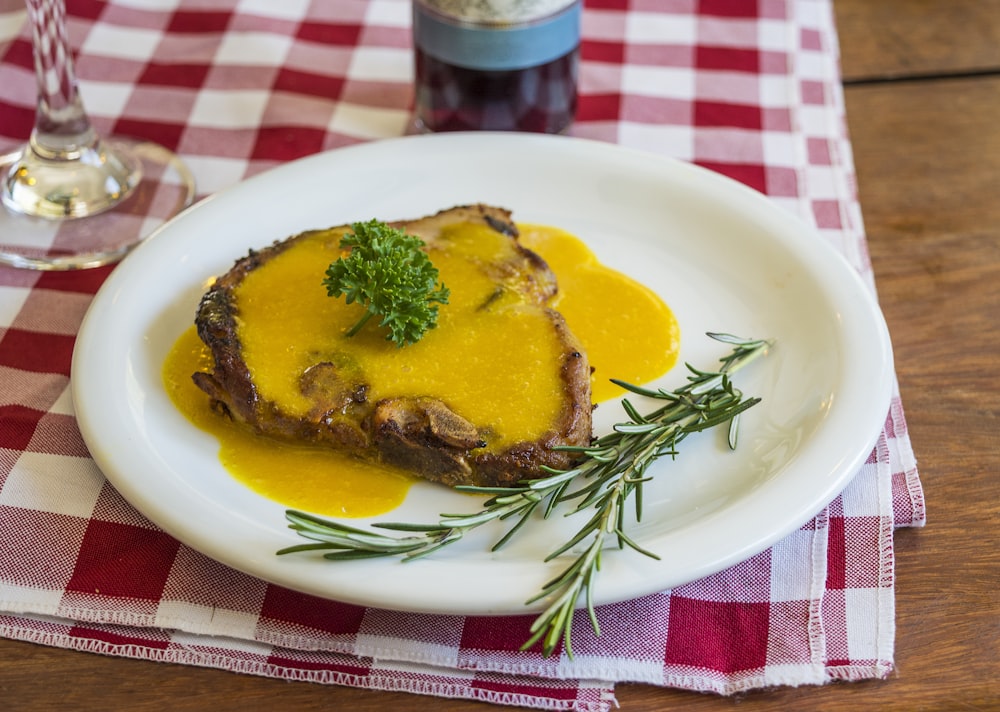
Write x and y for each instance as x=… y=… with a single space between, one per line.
x=611 y=470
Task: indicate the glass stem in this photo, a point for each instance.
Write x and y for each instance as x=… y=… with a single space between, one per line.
x=62 y=129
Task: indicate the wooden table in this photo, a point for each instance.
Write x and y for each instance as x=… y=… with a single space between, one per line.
x=922 y=85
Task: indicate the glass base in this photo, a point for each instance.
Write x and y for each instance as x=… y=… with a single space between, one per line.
x=87 y=182
x=61 y=241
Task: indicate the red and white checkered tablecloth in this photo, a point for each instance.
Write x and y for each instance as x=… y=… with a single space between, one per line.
x=749 y=88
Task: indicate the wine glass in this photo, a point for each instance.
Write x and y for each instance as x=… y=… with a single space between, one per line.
x=72 y=199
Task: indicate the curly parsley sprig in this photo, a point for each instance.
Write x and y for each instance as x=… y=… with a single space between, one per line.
x=613 y=468
x=388 y=272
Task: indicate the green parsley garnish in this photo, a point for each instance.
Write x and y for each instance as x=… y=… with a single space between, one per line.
x=388 y=272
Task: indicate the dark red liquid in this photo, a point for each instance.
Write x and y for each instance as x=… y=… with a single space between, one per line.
x=540 y=99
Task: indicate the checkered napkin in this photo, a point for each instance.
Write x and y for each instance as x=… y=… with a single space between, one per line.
x=749 y=89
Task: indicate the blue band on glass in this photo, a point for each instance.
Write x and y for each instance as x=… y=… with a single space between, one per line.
x=497 y=48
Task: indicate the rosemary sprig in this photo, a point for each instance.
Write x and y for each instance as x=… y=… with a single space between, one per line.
x=612 y=469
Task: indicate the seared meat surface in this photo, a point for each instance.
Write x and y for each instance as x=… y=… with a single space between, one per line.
x=347 y=406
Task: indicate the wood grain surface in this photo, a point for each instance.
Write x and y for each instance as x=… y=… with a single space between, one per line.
x=923 y=102
x=904 y=39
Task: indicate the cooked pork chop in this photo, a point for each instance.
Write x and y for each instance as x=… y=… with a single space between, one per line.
x=346 y=405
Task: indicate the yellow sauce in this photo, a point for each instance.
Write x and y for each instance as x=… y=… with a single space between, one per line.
x=496 y=366
x=626 y=329
x=495 y=363
x=298 y=477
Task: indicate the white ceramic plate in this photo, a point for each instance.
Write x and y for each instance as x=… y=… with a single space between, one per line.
x=721 y=255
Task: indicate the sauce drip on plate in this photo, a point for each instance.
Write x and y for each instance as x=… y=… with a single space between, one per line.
x=298 y=477
x=626 y=329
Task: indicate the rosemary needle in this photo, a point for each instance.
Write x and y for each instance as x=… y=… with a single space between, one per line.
x=611 y=470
